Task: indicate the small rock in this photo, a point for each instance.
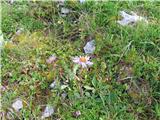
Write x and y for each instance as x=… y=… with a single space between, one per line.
x=76 y=114
x=82 y=1
x=51 y=59
x=49 y=110
x=130 y=18
x=61 y=2
x=11 y=1
x=89 y=48
x=64 y=10
x=53 y=84
x=17 y=105
x=64 y=95
x=63 y=15
x=1 y=39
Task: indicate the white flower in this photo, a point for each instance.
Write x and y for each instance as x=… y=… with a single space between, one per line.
x=130 y=18
x=2 y=88
x=83 y=61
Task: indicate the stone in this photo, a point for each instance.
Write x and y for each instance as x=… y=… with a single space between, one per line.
x=49 y=110
x=53 y=84
x=89 y=48
x=64 y=10
x=130 y=19
x=17 y=105
x=82 y=1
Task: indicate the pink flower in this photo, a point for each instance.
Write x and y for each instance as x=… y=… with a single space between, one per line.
x=51 y=59
x=2 y=88
x=84 y=61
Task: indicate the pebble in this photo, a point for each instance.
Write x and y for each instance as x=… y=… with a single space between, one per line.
x=49 y=110
x=17 y=105
x=130 y=18
x=89 y=48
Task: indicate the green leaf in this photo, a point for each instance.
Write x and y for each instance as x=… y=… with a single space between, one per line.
x=88 y=87
x=94 y=81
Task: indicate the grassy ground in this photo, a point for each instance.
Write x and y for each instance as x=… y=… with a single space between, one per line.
x=122 y=84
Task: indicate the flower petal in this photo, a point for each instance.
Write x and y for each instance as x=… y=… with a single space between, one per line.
x=89 y=63
x=51 y=59
x=83 y=65
x=75 y=60
x=87 y=58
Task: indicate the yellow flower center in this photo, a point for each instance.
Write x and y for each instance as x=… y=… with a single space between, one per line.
x=82 y=59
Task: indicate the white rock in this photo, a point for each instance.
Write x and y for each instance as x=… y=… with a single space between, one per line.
x=64 y=95
x=130 y=18
x=1 y=40
x=53 y=84
x=17 y=105
x=64 y=10
x=61 y=1
x=49 y=110
x=82 y=1
x=63 y=15
x=89 y=47
x=11 y=1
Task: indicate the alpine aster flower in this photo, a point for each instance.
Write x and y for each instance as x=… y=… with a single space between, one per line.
x=51 y=59
x=84 y=61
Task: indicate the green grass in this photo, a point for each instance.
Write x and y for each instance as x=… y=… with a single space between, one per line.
x=123 y=83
